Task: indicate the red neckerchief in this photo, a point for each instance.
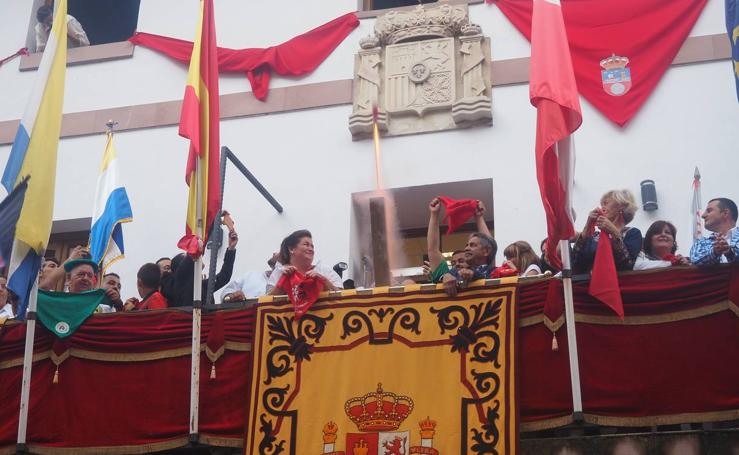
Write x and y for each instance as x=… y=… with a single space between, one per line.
x=301 y=291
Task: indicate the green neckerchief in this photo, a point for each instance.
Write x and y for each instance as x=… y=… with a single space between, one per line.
x=63 y=312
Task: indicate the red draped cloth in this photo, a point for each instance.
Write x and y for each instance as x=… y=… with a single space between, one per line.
x=123 y=379
x=295 y=57
x=667 y=362
x=126 y=382
x=648 y=32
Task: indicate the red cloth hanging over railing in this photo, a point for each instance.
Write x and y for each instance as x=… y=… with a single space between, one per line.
x=295 y=57
x=125 y=380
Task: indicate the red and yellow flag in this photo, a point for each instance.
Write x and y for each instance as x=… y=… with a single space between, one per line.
x=199 y=122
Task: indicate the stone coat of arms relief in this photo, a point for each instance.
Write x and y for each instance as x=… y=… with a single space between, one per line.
x=426 y=69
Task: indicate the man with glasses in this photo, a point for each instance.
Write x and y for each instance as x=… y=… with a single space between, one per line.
x=81 y=275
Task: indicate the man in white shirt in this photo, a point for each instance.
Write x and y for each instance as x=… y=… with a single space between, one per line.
x=251 y=284
x=75 y=33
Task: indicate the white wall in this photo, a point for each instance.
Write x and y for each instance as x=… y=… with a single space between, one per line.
x=307 y=160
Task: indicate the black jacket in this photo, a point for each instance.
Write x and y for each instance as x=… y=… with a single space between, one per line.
x=177 y=285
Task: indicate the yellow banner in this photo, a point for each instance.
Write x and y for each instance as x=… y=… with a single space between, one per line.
x=386 y=374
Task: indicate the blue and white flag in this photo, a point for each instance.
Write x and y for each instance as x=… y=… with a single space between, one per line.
x=732 y=27
x=111 y=209
x=34 y=154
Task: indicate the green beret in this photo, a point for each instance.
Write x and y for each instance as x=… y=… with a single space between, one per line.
x=70 y=265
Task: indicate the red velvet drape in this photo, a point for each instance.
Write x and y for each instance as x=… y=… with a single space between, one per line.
x=674 y=354
x=295 y=57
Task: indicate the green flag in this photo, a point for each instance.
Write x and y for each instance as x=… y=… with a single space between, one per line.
x=63 y=312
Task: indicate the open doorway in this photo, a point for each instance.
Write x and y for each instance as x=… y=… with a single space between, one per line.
x=407 y=227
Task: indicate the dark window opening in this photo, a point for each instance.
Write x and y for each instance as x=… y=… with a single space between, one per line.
x=385 y=4
x=106 y=21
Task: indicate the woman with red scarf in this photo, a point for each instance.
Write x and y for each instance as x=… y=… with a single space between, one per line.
x=617 y=209
x=659 y=248
x=296 y=256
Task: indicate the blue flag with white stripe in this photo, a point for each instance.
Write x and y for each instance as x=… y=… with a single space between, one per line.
x=34 y=154
x=112 y=208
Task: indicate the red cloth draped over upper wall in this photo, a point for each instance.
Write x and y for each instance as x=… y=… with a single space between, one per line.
x=295 y=57
x=648 y=32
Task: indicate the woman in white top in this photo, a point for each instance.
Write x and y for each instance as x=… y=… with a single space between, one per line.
x=659 y=248
x=521 y=257
x=296 y=255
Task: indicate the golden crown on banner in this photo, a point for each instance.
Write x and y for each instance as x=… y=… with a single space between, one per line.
x=614 y=62
x=378 y=411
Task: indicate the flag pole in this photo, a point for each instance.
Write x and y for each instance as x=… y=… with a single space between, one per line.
x=27 y=366
x=571 y=335
x=197 y=296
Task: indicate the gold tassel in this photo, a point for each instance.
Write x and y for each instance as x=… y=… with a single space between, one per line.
x=56 y=376
x=555 y=345
x=213 y=371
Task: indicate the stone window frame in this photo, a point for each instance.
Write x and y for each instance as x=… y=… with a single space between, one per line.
x=364 y=13
x=76 y=55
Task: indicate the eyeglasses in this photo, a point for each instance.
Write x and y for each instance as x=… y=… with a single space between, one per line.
x=84 y=275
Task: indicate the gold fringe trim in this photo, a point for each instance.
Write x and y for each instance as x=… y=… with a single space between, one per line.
x=59 y=359
x=213 y=356
x=734 y=308
x=671 y=419
x=655 y=319
x=130 y=449
x=17 y=362
x=236 y=346
x=647 y=421
x=121 y=357
x=546 y=424
x=632 y=320
x=110 y=450
x=553 y=326
x=222 y=442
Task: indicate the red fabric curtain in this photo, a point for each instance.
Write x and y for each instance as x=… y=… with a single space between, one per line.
x=631 y=372
x=679 y=358
x=648 y=32
x=295 y=57
x=110 y=402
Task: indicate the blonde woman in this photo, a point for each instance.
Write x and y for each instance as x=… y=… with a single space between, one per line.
x=616 y=211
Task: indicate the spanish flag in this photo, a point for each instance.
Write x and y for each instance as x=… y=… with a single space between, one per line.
x=199 y=122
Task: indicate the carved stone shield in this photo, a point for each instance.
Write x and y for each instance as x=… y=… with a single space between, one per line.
x=420 y=76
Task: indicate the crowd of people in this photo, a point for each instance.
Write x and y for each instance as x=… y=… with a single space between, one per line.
x=610 y=220
x=169 y=281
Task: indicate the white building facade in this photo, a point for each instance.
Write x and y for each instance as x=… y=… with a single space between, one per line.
x=303 y=152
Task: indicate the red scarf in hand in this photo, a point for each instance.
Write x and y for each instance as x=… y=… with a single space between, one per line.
x=301 y=291
x=604 y=281
x=503 y=271
x=674 y=260
x=457 y=211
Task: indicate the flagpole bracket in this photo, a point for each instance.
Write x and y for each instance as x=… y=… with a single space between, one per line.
x=197 y=304
x=578 y=417
x=567 y=273
x=194 y=440
x=21 y=448
x=31 y=315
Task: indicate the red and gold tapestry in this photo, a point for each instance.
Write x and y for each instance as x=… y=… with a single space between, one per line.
x=387 y=373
